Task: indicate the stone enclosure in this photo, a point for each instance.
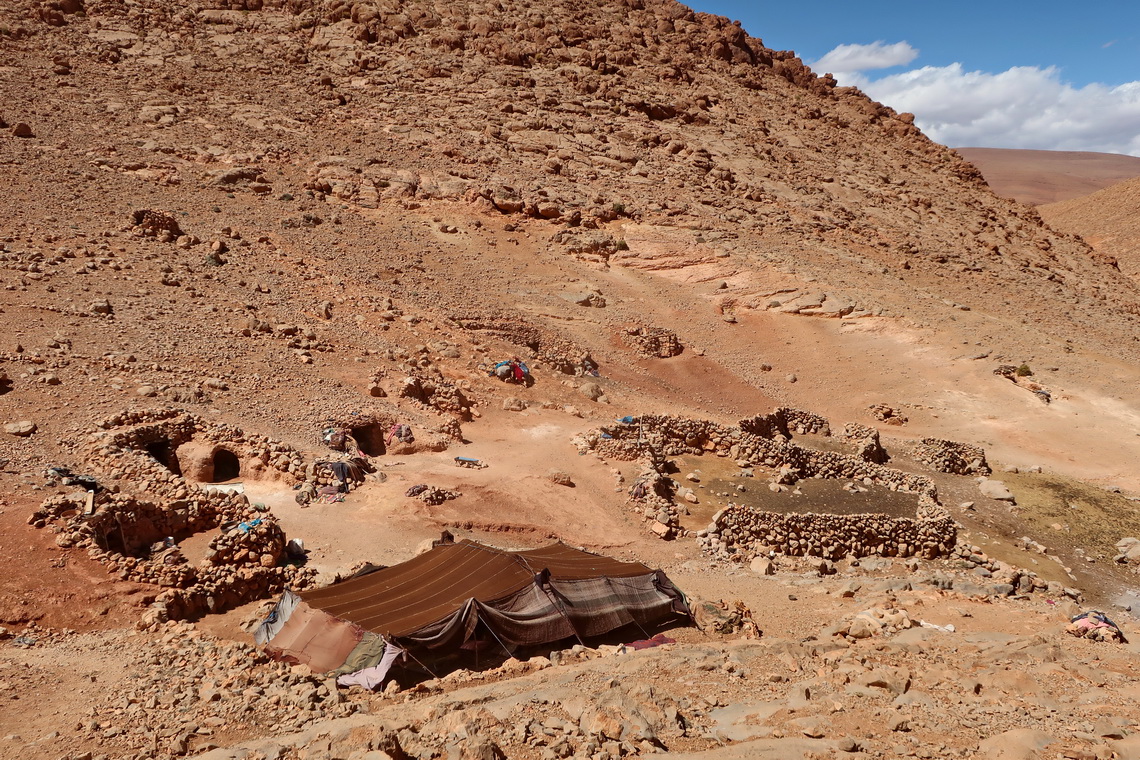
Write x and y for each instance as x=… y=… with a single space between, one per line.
x=155 y=468
x=765 y=440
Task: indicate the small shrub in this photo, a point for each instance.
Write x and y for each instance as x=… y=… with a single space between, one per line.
x=1024 y=371
x=619 y=208
x=286 y=197
x=622 y=245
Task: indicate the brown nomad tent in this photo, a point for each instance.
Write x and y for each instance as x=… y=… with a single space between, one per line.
x=439 y=600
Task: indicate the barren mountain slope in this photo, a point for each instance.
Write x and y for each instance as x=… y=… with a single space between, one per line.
x=1038 y=177
x=330 y=141
x=1108 y=220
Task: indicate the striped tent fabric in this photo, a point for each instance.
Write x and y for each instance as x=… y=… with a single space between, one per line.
x=438 y=600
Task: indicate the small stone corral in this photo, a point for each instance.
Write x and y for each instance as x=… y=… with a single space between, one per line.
x=552 y=349
x=766 y=440
x=743 y=530
x=658 y=437
x=656 y=342
x=952 y=457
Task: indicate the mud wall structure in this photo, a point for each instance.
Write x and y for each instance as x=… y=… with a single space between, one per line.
x=144 y=501
x=765 y=440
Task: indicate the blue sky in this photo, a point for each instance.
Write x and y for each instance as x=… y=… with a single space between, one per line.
x=1005 y=73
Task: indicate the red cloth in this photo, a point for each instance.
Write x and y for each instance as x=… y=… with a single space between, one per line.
x=656 y=641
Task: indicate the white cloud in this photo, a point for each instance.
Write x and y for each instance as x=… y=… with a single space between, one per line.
x=1023 y=107
x=848 y=59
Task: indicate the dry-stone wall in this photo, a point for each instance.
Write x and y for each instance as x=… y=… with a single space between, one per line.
x=742 y=530
x=656 y=342
x=764 y=440
x=786 y=422
x=436 y=392
x=145 y=501
x=952 y=457
x=867 y=440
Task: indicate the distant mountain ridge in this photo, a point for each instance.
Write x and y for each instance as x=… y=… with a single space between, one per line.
x=1108 y=220
x=1037 y=177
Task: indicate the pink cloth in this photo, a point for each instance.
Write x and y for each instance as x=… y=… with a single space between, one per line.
x=372 y=677
x=1088 y=624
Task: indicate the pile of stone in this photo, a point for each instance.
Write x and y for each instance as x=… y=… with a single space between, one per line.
x=866 y=439
x=653 y=492
x=887 y=414
x=746 y=532
x=876 y=621
x=656 y=342
x=952 y=457
x=996 y=578
x=588 y=246
x=433 y=391
x=155 y=224
x=184 y=688
x=1128 y=551
x=321 y=476
x=432 y=495
x=260 y=541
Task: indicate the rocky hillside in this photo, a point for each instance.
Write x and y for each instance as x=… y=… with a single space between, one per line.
x=637 y=122
x=1106 y=220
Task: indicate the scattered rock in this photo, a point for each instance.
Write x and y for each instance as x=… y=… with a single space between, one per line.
x=20 y=429
x=995 y=489
x=560 y=478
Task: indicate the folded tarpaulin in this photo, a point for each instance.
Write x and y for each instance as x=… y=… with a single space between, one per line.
x=368 y=653
x=373 y=676
x=315 y=638
x=276 y=619
x=438 y=599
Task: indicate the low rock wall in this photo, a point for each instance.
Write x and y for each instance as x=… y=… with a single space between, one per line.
x=748 y=532
x=765 y=440
x=952 y=457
